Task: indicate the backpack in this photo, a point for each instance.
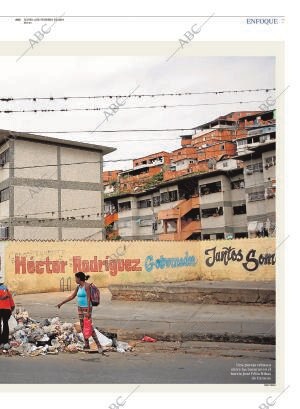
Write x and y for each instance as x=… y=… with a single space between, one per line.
x=95 y=295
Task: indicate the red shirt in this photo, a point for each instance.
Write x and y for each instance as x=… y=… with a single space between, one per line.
x=6 y=300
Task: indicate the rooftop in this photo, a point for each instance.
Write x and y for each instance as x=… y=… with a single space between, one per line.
x=5 y=135
x=198 y=175
x=265 y=115
x=223 y=118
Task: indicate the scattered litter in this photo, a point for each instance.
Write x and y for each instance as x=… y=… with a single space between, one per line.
x=148 y=339
x=12 y=324
x=104 y=341
x=29 y=337
x=123 y=346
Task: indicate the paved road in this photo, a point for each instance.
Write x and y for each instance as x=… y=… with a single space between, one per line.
x=153 y=364
x=133 y=319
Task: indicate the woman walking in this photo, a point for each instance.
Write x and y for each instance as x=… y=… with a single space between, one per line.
x=7 y=306
x=84 y=306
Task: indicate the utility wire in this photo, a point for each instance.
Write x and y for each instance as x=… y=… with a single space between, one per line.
x=120 y=211
x=229 y=127
x=171 y=94
x=123 y=108
x=115 y=160
x=115 y=130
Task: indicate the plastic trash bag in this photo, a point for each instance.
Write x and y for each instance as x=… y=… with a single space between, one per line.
x=104 y=341
x=12 y=323
x=123 y=346
x=87 y=328
x=148 y=339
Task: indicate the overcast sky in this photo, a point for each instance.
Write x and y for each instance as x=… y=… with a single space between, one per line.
x=89 y=76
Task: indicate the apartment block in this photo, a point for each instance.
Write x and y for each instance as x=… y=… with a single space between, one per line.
x=50 y=189
x=137 y=213
x=258 y=152
x=223 y=204
x=220 y=184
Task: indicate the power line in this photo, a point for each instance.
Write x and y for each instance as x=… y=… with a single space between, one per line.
x=114 y=130
x=13 y=219
x=111 y=160
x=229 y=127
x=56 y=211
x=68 y=164
x=166 y=94
x=70 y=218
x=129 y=140
x=126 y=108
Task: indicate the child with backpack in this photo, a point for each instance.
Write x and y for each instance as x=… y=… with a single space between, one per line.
x=87 y=296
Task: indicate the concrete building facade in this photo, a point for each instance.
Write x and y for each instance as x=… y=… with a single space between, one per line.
x=50 y=189
x=223 y=205
x=227 y=193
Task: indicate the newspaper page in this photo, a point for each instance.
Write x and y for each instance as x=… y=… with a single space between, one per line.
x=142 y=204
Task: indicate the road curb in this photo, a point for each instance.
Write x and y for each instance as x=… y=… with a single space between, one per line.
x=193 y=336
x=197 y=292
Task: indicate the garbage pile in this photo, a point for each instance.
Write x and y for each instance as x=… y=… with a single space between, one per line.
x=29 y=337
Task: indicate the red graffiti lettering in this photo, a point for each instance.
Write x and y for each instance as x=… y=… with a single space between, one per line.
x=24 y=266
x=111 y=265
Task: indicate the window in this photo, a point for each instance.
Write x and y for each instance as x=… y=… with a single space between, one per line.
x=142 y=204
x=4 y=195
x=220 y=236
x=124 y=206
x=4 y=157
x=242 y=142
x=239 y=209
x=214 y=211
x=222 y=147
x=241 y=235
x=238 y=184
x=210 y=188
x=270 y=192
x=4 y=233
x=167 y=197
x=264 y=138
x=225 y=164
x=156 y=201
x=270 y=161
x=255 y=167
x=253 y=197
x=173 y=195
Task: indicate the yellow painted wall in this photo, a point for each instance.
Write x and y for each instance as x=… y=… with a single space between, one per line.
x=39 y=266
x=240 y=259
